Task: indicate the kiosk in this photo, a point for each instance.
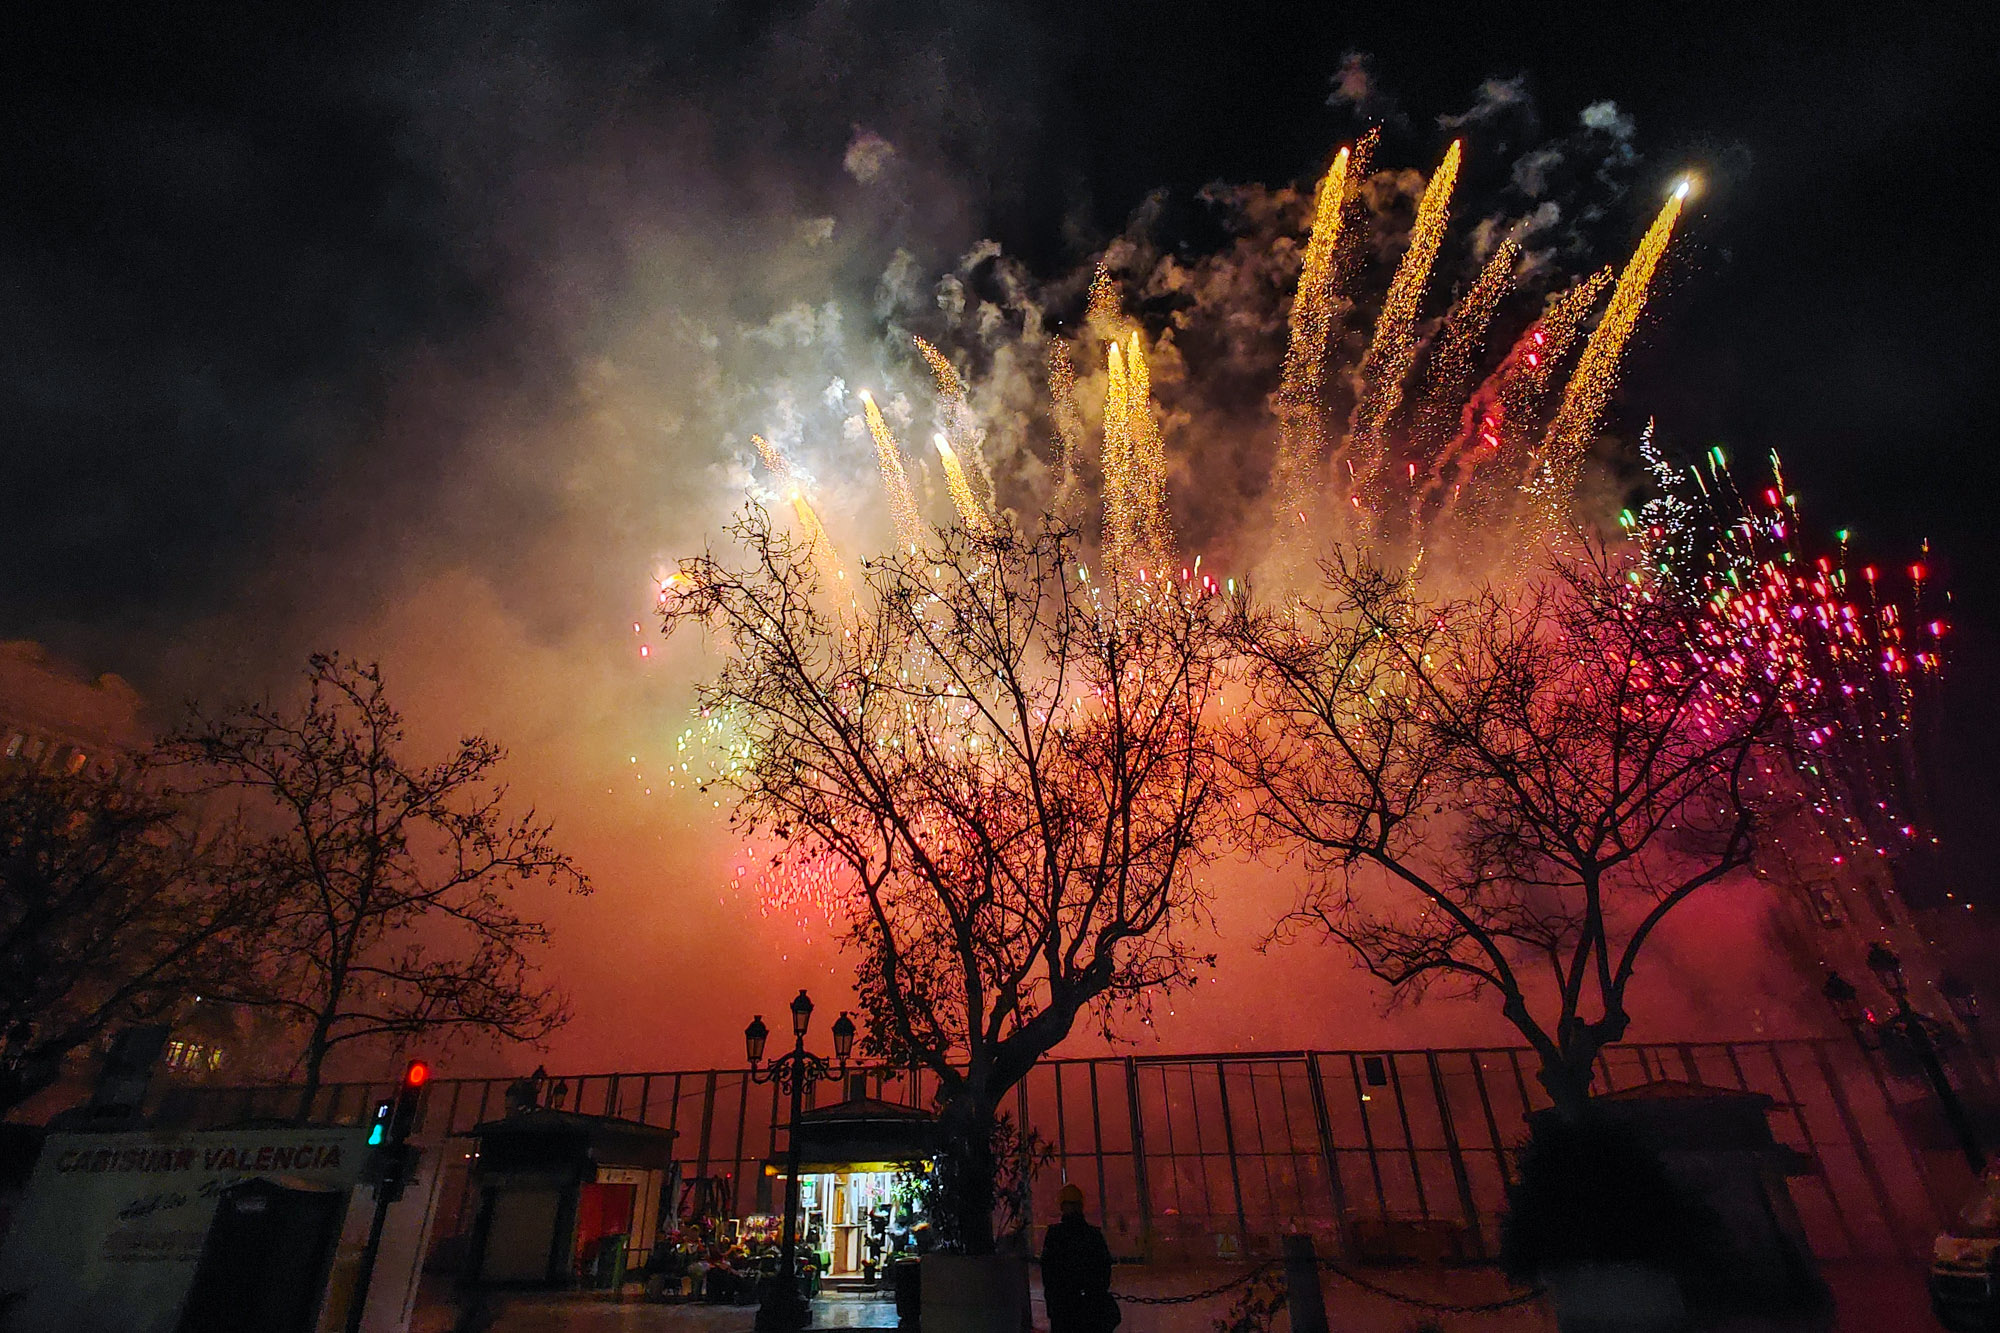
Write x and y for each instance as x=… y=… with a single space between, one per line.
x=566 y=1199
x=853 y=1155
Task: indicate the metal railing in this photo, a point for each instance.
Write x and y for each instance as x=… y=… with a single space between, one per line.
x=1217 y=1156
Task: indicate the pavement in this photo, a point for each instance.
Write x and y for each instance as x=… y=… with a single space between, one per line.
x=573 y=1313
x=1876 y=1298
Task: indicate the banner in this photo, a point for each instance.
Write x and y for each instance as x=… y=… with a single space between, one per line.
x=111 y=1228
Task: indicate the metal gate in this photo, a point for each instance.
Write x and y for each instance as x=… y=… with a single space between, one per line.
x=1217 y=1156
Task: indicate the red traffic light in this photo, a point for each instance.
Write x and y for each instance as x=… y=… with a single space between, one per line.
x=417 y=1074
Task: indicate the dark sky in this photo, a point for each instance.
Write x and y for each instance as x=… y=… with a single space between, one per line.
x=389 y=327
x=224 y=230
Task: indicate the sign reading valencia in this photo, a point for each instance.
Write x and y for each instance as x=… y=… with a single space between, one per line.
x=112 y=1226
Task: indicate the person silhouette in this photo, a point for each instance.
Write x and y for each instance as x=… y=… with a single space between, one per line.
x=1076 y=1272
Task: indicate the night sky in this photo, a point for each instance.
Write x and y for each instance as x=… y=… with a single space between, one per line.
x=223 y=235
x=302 y=310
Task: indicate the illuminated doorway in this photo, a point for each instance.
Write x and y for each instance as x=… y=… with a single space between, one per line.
x=857 y=1220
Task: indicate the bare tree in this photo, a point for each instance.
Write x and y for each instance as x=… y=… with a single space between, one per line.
x=394 y=881
x=111 y=911
x=1014 y=771
x=1509 y=791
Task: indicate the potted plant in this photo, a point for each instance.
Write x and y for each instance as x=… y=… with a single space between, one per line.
x=964 y=1291
x=1595 y=1217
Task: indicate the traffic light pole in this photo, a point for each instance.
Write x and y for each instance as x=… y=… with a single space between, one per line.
x=397 y=1160
x=358 y=1306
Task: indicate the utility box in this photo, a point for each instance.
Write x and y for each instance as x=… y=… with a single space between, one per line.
x=266 y=1259
x=1717 y=1143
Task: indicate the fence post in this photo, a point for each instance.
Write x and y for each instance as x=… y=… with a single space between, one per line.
x=1097 y=1140
x=1323 y=1124
x=1459 y=1177
x=1304 y=1302
x=1139 y=1158
x=1235 y=1169
x=707 y=1122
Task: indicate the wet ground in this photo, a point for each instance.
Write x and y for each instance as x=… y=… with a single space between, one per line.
x=1870 y=1299
x=592 y=1314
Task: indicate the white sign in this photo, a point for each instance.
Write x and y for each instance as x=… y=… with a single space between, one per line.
x=112 y=1226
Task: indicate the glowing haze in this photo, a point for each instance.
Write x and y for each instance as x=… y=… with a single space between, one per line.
x=1375 y=483
x=693 y=319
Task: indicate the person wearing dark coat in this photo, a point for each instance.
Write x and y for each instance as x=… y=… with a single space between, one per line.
x=1076 y=1272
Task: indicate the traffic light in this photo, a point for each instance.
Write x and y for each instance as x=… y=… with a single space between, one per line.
x=389 y=1131
x=404 y=1118
x=395 y=1118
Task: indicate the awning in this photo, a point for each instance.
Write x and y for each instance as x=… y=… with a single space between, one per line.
x=863 y=1134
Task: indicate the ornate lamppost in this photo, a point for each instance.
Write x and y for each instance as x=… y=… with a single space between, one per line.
x=784 y=1307
x=1964 y=1002
x=1914 y=1029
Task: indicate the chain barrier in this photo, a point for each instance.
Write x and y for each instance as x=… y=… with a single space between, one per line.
x=1403 y=1298
x=1424 y=1303
x=1211 y=1293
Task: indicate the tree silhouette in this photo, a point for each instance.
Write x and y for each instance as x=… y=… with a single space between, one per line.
x=1013 y=770
x=394 y=882
x=113 y=909
x=1511 y=790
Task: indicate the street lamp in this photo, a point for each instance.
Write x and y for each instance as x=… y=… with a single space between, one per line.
x=1964 y=1001
x=1914 y=1029
x=784 y=1307
x=1846 y=1002
x=1888 y=970
x=802 y=1013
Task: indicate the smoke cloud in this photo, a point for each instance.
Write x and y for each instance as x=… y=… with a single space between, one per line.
x=647 y=254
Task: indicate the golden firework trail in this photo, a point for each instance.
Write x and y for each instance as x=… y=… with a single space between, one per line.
x=1068 y=422
x=816 y=535
x=961 y=426
x=808 y=518
x=962 y=498
x=1453 y=362
x=1105 y=310
x=1312 y=305
x=1116 y=535
x=902 y=505
x=949 y=385
x=1596 y=373
x=1148 y=470
x=1301 y=437
x=1455 y=356
x=1560 y=325
x=773 y=460
x=1393 y=349
x=1494 y=427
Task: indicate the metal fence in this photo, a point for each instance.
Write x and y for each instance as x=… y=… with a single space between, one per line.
x=1217 y=1156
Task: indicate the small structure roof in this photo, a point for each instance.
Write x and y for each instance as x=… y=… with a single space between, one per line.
x=864 y=1132
x=1684 y=1090
x=570 y=1142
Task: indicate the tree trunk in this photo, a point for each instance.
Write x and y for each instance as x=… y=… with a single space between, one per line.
x=966 y=1160
x=316 y=1048
x=1567 y=1081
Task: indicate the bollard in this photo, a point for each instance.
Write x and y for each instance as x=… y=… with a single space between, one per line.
x=1303 y=1300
